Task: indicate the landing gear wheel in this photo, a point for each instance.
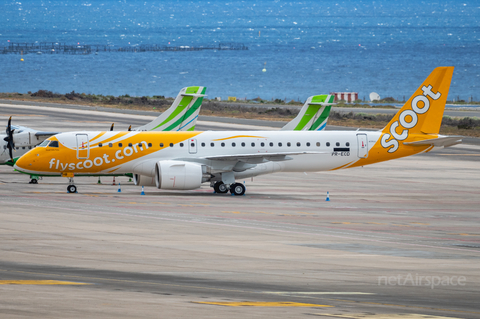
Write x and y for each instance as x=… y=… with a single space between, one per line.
x=71 y=188
x=220 y=188
x=33 y=181
x=237 y=189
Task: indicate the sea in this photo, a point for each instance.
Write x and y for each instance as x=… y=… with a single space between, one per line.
x=296 y=49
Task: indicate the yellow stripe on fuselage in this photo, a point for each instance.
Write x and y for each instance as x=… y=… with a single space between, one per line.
x=237 y=136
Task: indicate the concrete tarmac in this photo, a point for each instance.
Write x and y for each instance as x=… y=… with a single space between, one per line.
x=399 y=238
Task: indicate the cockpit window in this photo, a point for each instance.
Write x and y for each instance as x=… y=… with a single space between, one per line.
x=53 y=144
x=44 y=143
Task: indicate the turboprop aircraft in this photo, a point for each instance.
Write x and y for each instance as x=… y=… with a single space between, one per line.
x=185 y=160
x=18 y=140
x=182 y=115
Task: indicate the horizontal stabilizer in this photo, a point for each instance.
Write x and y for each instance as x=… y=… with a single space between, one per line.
x=444 y=141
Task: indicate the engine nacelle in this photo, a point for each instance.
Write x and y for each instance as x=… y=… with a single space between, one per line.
x=24 y=139
x=179 y=175
x=142 y=180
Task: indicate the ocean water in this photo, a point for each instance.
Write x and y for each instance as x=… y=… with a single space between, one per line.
x=309 y=47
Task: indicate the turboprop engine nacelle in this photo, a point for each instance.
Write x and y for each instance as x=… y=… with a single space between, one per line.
x=24 y=139
x=180 y=175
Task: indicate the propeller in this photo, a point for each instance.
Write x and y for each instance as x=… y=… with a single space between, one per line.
x=129 y=128
x=111 y=127
x=9 y=138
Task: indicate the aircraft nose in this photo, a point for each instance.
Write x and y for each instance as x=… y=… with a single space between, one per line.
x=20 y=164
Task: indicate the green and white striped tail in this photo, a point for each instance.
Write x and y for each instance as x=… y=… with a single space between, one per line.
x=182 y=115
x=314 y=114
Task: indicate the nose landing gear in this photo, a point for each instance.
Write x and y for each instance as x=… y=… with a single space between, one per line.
x=71 y=188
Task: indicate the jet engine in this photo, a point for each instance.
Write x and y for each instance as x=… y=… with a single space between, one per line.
x=180 y=175
x=142 y=180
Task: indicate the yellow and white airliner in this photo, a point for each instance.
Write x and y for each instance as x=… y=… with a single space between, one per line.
x=185 y=160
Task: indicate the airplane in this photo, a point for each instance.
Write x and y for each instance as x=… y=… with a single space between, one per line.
x=19 y=139
x=185 y=160
x=181 y=116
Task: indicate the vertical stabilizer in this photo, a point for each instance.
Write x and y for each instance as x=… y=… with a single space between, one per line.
x=182 y=115
x=313 y=116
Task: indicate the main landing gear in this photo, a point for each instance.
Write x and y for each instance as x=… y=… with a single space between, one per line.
x=71 y=188
x=236 y=189
x=220 y=187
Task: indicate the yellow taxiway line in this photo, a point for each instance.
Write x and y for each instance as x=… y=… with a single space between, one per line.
x=40 y=282
x=261 y=304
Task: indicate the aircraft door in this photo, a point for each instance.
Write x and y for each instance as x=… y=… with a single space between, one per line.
x=192 y=146
x=83 y=147
x=362 y=145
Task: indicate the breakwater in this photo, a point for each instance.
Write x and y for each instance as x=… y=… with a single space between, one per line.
x=85 y=49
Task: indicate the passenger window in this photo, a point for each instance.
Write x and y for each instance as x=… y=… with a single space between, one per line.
x=308 y=143
x=203 y=144
x=100 y=144
x=280 y=144
x=347 y=144
x=23 y=147
x=262 y=144
x=181 y=144
x=253 y=144
x=130 y=144
x=161 y=144
x=233 y=144
x=318 y=144
x=52 y=144
x=120 y=144
x=338 y=144
x=110 y=145
x=289 y=144
x=328 y=143
x=222 y=144
x=271 y=144
x=212 y=144
x=192 y=144
x=149 y=144
x=171 y=144
x=298 y=144
x=243 y=144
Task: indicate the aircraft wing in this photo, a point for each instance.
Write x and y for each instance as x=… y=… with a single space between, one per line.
x=259 y=157
x=444 y=141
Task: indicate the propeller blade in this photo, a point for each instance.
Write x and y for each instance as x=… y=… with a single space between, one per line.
x=129 y=128
x=10 y=152
x=9 y=138
x=9 y=125
x=111 y=127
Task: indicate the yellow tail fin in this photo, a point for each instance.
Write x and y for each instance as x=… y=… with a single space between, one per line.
x=422 y=113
